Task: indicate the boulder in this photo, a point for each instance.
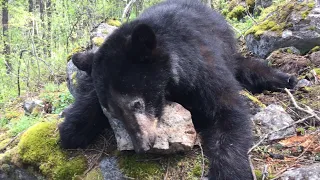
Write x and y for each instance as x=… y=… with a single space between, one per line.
x=307 y=172
x=175 y=131
x=30 y=106
x=272 y=118
x=315 y=58
x=295 y=24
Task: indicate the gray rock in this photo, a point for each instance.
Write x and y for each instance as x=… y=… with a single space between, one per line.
x=175 y=131
x=272 y=118
x=303 y=35
x=110 y=170
x=73 y=73
x=102 y=31
x=262 y=3
x=30 y=105
x=315 y=58
x=303 y=83
x=311 y=172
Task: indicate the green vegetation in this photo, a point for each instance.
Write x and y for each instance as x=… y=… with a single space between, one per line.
x=238 y=13
x=39 y=147
x=98 y=41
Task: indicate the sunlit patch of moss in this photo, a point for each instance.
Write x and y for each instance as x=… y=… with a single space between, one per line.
x=305 y=14
x=300 y=131
x=39 y=147
x=98 y=41
x=74 y=51
x=311 y=5
x=4 y=142
x=238 y=13
x=315 y=49
x=114 y=22
x=253 y=99
x=13 y=114
x=133 y=167
x=317 y=71
x=250 y=4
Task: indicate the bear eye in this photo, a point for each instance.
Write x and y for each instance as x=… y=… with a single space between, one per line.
x=137 y=105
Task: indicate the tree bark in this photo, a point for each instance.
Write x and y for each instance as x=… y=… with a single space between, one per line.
x=5 y=33
x=49 y=17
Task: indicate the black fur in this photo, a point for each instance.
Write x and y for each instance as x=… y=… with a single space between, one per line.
x=84 y=119
x=182 y=51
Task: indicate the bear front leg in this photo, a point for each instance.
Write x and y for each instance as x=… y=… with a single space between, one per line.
x=84 y=120
x=226 y=143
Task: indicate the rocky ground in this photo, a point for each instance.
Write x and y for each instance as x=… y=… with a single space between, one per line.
x=285 y=124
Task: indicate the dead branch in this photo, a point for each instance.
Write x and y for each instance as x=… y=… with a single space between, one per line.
x=202 y=157
x=265 y=172
x=11 y=141
x=308 y=110
x=127 y=9
x=252 y=168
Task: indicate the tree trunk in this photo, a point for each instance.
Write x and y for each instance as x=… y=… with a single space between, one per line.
x=49 y=17
x=209 y=2
x=5 y=31
x=43 y=28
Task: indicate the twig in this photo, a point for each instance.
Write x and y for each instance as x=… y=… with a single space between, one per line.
x=202 y=156
x=167 y=170
x=265 y=172
x=308 y=110
x=285 y=127
x=252 y=168
x=11 y=141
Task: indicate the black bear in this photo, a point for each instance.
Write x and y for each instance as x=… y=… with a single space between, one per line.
x=182 y=51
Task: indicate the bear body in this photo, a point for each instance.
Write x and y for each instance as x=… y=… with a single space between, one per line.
x=180 y=51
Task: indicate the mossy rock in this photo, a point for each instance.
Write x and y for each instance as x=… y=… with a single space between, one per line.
x=275 y=18
x=39 y=147
x=237 y=13
x=74 y=51
x=114 y=22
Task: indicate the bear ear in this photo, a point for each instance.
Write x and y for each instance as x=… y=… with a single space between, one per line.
x=143 y=40
x=83 y=61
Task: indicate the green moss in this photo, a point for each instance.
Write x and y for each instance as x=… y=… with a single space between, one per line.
x=315 y=49
x=275 y=17
x=311 y=5
x=39 y=147
x=197 y=170
x=133 y=167
x=98 y=41
x=253 y=99
x=232 y=4
x=250 y=3
x=312 y=28
x=74 y=51
x=300 y=130
x=13 y=115
x=258 y=174
x=305 y=14
x=317 y=71
x=264 y=26
x=114 y=22
x=238 y=13
x=312 y=128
